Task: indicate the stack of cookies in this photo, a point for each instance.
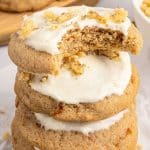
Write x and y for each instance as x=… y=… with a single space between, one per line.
x=76 y=87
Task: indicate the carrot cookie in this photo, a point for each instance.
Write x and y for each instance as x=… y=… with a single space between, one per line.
x=117 y=132
x=48 y=37
x=23 y=5
x=105 y=88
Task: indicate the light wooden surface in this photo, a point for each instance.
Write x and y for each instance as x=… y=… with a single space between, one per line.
x=10 y=22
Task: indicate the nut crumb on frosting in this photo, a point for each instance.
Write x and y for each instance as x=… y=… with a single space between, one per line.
x=44 y=78
x=72 y=63
x=96 y=16
x=146 y=7
x=53 y=18
x=119 y=15
x=27 y=27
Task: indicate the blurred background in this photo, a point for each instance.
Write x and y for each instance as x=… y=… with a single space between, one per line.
x=10 y=22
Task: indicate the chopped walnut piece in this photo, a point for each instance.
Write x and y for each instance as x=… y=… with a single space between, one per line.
x=119 y=15
x=24 y=76
x=51 y=17
x=72 y=63
x=27 y=28
x=96 y=16
x=64 y=17
x=44 y=79
x=77 y=68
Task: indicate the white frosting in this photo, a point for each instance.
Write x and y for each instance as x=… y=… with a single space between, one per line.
x=47 y=40
x=85 y=127
x=102 y=77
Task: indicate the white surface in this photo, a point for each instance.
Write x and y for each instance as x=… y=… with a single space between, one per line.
x=108 y=77
x=45 y=39
x=7 y=74
x=85 y=127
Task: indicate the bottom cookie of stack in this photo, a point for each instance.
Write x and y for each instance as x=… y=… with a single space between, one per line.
x=31 y=131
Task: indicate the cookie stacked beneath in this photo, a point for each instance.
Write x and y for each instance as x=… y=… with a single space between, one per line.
x=75 y=86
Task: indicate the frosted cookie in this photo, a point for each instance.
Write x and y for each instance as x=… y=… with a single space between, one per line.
x=116 y=132
x=19 y=142
x=23 y=5
x=101 y=91
x=48 y=37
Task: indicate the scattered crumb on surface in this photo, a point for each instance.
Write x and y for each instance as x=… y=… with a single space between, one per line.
x=6 y=136
x=72 y=63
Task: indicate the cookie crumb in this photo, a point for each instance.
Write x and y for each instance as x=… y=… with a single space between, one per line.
x=53 y=18
x=6 y=136
x=72 y=63
x=24 y=76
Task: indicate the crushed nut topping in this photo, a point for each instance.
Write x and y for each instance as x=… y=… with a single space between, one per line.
x=24 y=76
x=44 y=79
x=53 y=18
x=96 y=16
x=119 y=15
x=72 y=63
x=146 y=7
x=27 y=28
x=54 y=27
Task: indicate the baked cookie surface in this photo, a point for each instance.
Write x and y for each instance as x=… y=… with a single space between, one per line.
x=110 y=105
x=121 y=135
x=76 y=29
x=23 y=5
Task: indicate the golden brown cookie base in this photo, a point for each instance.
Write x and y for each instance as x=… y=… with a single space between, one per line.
x=81 y=112
x=23 y=5
x=122 y=135
x=102 y=41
